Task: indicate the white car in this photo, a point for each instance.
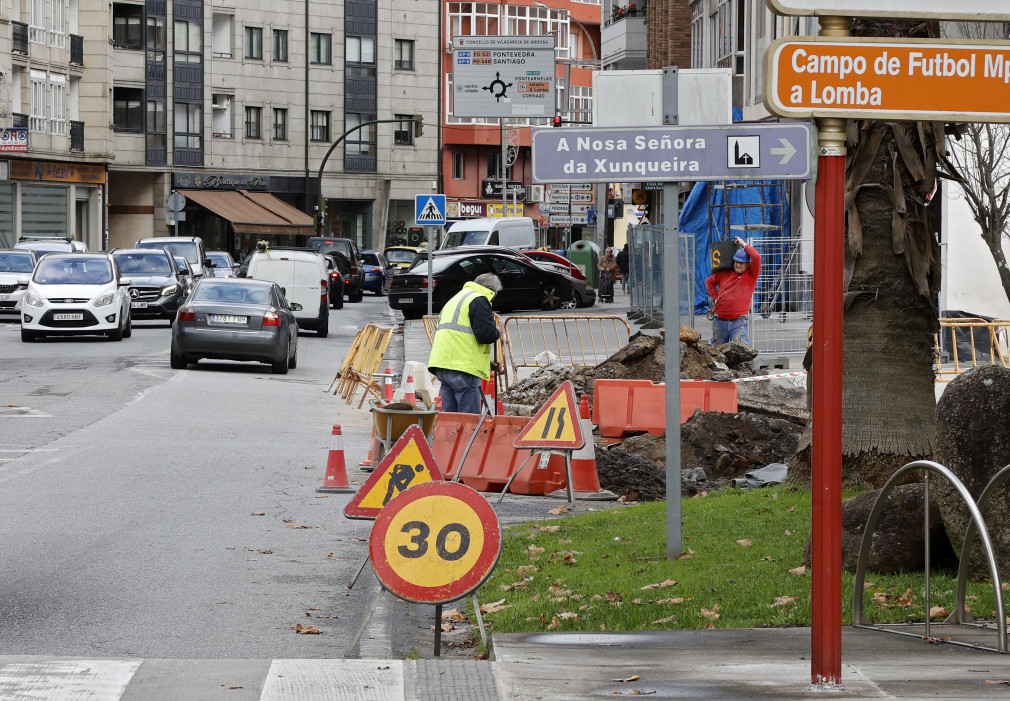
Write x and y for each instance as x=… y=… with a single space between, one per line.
x=15 y=265
x=76 y=293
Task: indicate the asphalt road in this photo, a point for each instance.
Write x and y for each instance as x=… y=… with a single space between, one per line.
x=160 y=513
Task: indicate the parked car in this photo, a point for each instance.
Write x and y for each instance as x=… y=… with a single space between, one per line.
x=339 y=271
x=43 y=245
x=512 y=232
x=525 y=285
x=189 y=247
x=236 y=319
x=15 y=264
x=76 y=293
x=355 y=286
x=376 y=266
x=185 y=272
x=303 y=277
x=224 y=264
x=156 y=286
x=551 y=257
x=400 y=257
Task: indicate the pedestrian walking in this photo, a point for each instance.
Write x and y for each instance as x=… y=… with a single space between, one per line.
x=461 y=350
x=622 y=265
x=732 y=291
x=607 y=267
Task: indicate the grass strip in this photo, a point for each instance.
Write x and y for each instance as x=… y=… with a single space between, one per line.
x=742 y=567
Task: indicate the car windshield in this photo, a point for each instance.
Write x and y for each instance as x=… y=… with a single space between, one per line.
x=143 y=263
x=187 y=249
x=400 y=256
x=16 y=263
x=73 y=271
x=465 y=238
x=222 y=260
x=239 y=293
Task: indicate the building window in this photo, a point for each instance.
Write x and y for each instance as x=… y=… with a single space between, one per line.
x=360 y=58
x=37 y=22
x=494 y=165
x=188 y=125
x=320 y=48
x=698 y=34
x=280 y=125
x=403 y=133
x=581 y=102
x=58 y=113
x=360 y=142
x=254 y=122
x=156 y=127
x=188 y=42
x=57 y=30
x=155 y=39
x=457 y=166
x=127 y=114
x=320 y=128
x=221 y=37
x=725 y=36
x=404 y=54
x=473 y=19
x=524 y=20
x=37 y=118
x=220 y=116
x=281 y=45
x=254 y=43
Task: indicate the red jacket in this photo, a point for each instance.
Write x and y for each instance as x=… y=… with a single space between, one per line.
x=732 y=291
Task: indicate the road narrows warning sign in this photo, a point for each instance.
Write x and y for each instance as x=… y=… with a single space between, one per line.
x=556 y=425
x=408 y=464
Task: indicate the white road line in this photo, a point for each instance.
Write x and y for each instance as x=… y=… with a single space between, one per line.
x=334 y=680
x=71 y=680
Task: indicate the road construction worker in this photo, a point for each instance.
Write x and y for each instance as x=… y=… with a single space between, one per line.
x=732 y=291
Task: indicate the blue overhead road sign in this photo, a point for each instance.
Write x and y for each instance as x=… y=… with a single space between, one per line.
x=758 y=151
x=429 y=210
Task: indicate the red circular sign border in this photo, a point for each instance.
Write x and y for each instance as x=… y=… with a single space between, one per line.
x=472 y=580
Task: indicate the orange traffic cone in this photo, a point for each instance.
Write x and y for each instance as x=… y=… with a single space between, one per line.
x=585 y=479
x=335 y=481
x=387 y=386
x=408 y=392
x=371 y=444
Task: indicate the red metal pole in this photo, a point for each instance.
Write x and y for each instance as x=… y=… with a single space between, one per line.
x=826 y=375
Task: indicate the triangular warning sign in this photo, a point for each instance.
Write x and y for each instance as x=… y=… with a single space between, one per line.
x=430 y=212
x=556 y=425
x=408 y=464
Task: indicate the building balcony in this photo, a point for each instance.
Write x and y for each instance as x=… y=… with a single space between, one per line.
x=623 y=40
x=19 y=120
x=19 y=38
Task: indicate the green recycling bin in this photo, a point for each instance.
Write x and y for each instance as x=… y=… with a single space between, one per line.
x=586 y=255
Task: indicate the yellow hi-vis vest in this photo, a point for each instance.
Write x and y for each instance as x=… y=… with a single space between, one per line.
x=455 y=347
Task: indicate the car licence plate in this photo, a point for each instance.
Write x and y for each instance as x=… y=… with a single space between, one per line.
x=138 y=305
x=406 y=300
x=68 y=317
x=228 y=319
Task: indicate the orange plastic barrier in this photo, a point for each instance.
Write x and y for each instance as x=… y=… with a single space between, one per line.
x=492 y=459
x=623 y=406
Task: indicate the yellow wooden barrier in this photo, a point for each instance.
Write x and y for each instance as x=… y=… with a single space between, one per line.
x=993 y=344
x=363 y=358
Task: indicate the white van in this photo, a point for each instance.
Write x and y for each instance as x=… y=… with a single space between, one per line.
x=303 y=277
x=511 y=232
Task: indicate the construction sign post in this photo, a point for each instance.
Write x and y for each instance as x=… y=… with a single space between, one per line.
x=888 y=79
x=408 y=464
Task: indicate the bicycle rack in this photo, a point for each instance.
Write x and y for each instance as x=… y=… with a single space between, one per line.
x=975 y=525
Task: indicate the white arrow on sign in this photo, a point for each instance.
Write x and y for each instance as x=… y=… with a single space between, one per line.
x=786 y=151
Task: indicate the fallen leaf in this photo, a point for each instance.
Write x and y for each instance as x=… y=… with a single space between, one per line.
x=322 y=496
x=791 y=509
x=668 y=619
x=745 y=542
x=494 y=607
x=265 y=552
x=784 y=601
x=555 y=623
x=307 y=629
x=331 y=555
x=550 y=529
x=559 y=510
x=802 y=569
x=521 y=584
x=288 y=520
x=259 y=513
x=1005 y=682
x=314 y=608
x=453 y=615
x=686 y=556
x=677 y=600
x=938 y=612
x=636 y=601
x=297 y=525
x=633 y=678
x=789 y=532
x=564 y=615
x=712 y=613
x=447 y=627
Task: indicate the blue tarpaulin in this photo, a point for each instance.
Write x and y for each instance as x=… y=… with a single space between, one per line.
x=706 y=196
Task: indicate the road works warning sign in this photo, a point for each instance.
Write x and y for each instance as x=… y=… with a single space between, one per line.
x=408 y=464
x=556 y=425
x=503 y=76
x=889 y=79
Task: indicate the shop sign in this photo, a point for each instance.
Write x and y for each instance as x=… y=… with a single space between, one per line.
x=13 y=139
x=492 y=188
x=51 y=171
x=475 y=210
x=220 y=181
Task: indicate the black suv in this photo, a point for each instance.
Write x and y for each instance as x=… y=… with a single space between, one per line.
x=355 y=286
x=157 y=288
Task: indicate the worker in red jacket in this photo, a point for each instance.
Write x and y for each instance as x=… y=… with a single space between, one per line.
x=732 y=291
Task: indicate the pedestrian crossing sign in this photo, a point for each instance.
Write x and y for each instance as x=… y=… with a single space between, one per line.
x=429 y=209
x=408 y=464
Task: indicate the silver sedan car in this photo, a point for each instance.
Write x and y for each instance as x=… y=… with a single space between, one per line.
x=236 y=319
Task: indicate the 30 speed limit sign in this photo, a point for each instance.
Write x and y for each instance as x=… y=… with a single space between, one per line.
x=435 y=542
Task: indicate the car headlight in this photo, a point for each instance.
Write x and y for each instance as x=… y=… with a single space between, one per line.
x=33 y=299
x=105 y=300
x=169 y=290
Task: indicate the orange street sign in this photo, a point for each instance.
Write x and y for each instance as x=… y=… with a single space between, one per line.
x=907 y=79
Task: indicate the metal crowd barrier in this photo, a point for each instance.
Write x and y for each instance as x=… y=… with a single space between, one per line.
x=572 y=339
x=986 y=342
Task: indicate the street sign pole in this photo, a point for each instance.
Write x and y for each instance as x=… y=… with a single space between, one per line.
x=826 y=409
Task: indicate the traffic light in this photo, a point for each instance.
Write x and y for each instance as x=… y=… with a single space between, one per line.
x=556 y=122
x=418 y=125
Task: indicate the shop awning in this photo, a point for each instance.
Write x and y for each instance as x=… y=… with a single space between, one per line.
x=253 y=213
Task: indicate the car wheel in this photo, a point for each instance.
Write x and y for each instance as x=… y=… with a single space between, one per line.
x=359 y=294
x=281 y=366
x=129 y=327
x=550 y=297
x=28 y=336
x=572 y=302
x=338 y=302
x=176 y=360
x=117 y=335
x=293 y=360
x=324 y=330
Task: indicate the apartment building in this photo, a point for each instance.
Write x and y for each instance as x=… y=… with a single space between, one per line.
x=232 y=103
